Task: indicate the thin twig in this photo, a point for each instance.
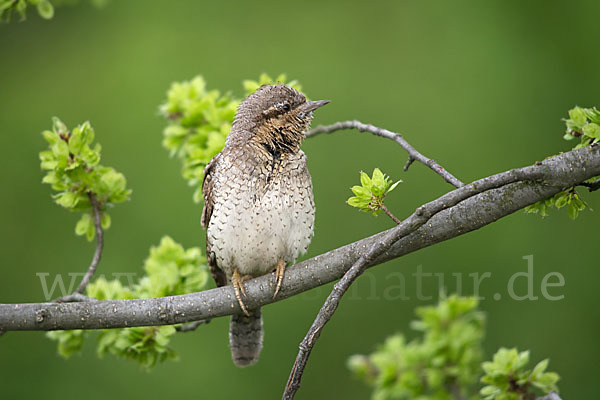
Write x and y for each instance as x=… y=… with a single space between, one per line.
x=99 y=244
x=413 y=154
x=74 y=297
x=389 y=214
x=592 y=186
x=192 y=326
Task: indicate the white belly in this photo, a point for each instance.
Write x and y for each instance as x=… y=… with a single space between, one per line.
x=254 y=234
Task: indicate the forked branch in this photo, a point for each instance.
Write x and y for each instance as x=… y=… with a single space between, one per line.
x=413 y=154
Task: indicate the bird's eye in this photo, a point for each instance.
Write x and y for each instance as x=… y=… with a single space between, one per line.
x=284 y=106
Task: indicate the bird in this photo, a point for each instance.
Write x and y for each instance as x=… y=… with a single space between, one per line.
x=259 y=208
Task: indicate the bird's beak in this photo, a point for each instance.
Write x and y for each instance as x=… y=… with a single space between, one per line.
x=313 y=105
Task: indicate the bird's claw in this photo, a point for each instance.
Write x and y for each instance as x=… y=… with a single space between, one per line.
x=238 y=288
x=279 y=273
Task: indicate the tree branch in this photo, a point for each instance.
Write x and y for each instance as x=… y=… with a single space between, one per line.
x=485 y=201
x=192 y=326
x=389 y=214
x=591 y=186
x=77 y=297
x=99 y=244
x=413 y=154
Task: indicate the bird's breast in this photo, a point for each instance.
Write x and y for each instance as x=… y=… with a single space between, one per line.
x=261 y=214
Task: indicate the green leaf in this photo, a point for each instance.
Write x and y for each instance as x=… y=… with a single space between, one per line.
x=592 y=130
x=562 y=200
x=540 y=367
x=360 y=191
x=521 y=360
x=378 y=178
x=75 y=142
x=488 y=390
x=392 y=187
x=573 y=211
x=593 y=115
x=20 y=7
x=354 y=201
x=50 y=136
x=547 y=381
x=67 y=199
x=69 y=342
x=90 y=234
x=89 y=156
x=365 y=180
x=60 y=149
x=83 y=224
x=105 y=221
x=578 y=116
x=45 y=9
x=58 y=126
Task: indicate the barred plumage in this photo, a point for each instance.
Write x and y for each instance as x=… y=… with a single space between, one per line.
x=258 y=201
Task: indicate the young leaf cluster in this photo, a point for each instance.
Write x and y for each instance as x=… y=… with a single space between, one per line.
x=8 y=8
x=445 y=363
x=583 y=123
x=199 y=121
x=370 y=195
x=569 y=198
x=72 y=162
x=440 y=365
x=169 y=270
x=45 y=8
x=507 y=378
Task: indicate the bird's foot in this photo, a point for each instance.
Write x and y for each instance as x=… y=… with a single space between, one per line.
x=238 y=287
x=279 y=272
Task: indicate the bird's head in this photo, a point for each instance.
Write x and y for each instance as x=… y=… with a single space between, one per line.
x=276 y=117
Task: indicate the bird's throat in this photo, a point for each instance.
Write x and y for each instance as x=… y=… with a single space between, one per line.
x=277 y=139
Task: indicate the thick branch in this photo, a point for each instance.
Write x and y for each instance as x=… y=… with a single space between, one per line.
x=413 y=154
x=482 y=208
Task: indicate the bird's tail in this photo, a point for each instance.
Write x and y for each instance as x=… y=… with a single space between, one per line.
x=246 y=337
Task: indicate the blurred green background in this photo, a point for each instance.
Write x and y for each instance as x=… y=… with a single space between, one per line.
x=480 y=86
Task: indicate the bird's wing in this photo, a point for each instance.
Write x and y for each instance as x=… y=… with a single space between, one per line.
x=207 y=190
